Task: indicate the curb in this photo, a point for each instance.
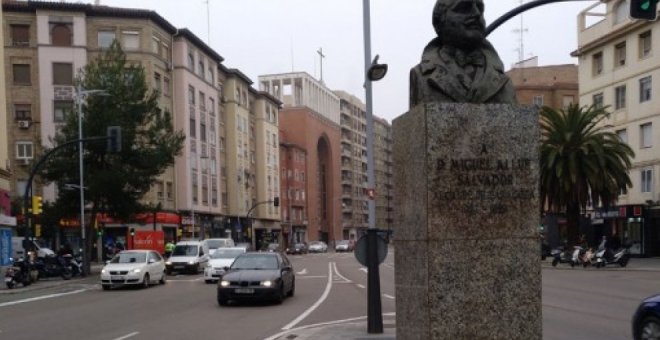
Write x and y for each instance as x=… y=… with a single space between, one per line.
x=49 y=283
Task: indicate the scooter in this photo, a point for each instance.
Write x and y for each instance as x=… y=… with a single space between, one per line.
x=16 y=274
x=561 y=255
x=607 y=256
x=75 y=263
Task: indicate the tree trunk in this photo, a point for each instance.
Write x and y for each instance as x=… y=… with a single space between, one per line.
x=573 y=219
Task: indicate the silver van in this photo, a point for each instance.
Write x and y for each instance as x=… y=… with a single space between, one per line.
x=188 y=256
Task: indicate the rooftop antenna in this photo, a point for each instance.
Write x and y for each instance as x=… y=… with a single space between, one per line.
x=292 y=61
x=521 y=32
x=208 y=24
x=321 y=55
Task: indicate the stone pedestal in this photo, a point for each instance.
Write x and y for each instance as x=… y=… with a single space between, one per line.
x=467 y=212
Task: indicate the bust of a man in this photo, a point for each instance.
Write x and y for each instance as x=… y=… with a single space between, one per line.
x=460 y=65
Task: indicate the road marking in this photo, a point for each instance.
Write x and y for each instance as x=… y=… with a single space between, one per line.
x=302 y=272
x=309 y=310
x=389 y=296
x=365 y=270
x=127 y=336
x=334 y=266
x=327 y=323
x=360 y=286
x=4 y=304
x=311 y=277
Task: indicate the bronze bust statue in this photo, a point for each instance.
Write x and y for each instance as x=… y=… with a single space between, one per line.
x=460 y=65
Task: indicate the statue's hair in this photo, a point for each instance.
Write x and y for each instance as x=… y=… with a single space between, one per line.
x=438 y=14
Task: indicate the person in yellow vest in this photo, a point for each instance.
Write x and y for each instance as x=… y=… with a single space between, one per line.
x=169 y=248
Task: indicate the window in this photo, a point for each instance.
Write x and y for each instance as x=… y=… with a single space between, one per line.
x=21 y=74
x=598 y=100
x=22 y=111
x=645 y=89
x=597 y=63
x=155 y=45
x=24 y=150
x=20 y=35
x=212 y=106
x=61 y=34
x=211 y=75
x=61 y=108
x=647 y=180
x=620 y=54
x=538 y=100
x=202 y=131
x=105 y=38
x=646 y=134
x=157 y=82
x=202 y=101
x=645 y=44
x=165 y=50
x=166 y=86
x=623 y=135
x=192 y=127
x=200 y=68
x=130 y=40
x=169 y=191
x=566 y=101
x=191 y=95
x=62 y=74
x=620 y=97
x=191 y=61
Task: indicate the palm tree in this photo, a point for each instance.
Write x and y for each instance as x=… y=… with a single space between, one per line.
x=580 y=162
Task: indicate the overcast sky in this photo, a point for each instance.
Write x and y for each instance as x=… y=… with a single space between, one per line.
x=277 y=36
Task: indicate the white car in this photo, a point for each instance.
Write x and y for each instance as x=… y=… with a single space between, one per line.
x=317 y=247
x=133 y=267
x=222 y=258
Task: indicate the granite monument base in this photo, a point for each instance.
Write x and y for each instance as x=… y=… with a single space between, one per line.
x=467 y=245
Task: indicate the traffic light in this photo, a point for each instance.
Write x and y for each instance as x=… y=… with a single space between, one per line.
x=276 y=202
x=132 y=232
x=643 y=9
x=37 y=205
x=114 y=139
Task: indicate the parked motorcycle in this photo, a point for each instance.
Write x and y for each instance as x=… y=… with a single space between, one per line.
x=16 y=274
x=75 y=262
x=562 y=255
x=620 y=256
x=53 y=266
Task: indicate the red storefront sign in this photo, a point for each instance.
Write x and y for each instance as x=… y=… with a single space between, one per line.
x=152 y=240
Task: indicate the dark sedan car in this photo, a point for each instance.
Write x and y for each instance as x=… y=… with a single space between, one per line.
x=646 y=322
x=298 y=248
x=257 y=276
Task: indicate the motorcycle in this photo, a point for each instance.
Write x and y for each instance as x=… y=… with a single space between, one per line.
x=53 y=266
x=75 y=262
x=620 y=256
x=16 y=274
x=561 y=255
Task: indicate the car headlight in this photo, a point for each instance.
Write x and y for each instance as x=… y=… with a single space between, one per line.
x=136 y=270
x=168 y=263
x=103 y=271
x=266 y=283
x=224 y=283
x=191 y=262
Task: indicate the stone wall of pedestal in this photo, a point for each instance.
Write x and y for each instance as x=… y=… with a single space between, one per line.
x=467 y=244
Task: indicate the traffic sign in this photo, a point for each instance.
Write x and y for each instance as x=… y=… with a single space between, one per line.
x=361 y=250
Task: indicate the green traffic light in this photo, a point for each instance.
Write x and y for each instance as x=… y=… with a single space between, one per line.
x=646 y=5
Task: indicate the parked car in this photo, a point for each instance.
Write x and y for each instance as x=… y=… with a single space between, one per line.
x=257 y=276
x=646 y=321
x=318 y=247
x=188 y=256
x=273 y=247
x=297 y=248
x=133 y=267
x=215 y=243
x=343 y=245
x=219 y=260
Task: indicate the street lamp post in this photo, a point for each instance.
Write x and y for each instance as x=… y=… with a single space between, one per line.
x=80 y=96
x=373 y=72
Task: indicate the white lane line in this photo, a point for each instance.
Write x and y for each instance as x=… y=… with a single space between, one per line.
x=127 y=336
x=309 y=310
x=328 y=323
x=311 y=277
x=302 y=272
x=360 y=286
x=389 y=296
x=334 y=267
x=50 y=296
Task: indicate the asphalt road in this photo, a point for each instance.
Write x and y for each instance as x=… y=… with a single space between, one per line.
x=577 y=304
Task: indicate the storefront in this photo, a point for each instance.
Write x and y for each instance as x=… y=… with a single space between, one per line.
x=629 y=224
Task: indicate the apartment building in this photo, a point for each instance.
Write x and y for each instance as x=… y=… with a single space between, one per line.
x=384 y=193
x=6 y=220
x=310 y=118
x=293 y=159
x=230 y=161
x=618 y=63
x=555 y=86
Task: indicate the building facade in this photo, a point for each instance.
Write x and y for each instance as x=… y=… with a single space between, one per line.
x=618 y=64
x=555 y=86
x=293 y=160
x=310 y=119
x=384 y=193
x=6 y=218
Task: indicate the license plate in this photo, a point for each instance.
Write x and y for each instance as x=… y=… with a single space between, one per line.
x=244 y=291
x=116 y=277
x=178 y=267
x=219 y=272
x=8 y=279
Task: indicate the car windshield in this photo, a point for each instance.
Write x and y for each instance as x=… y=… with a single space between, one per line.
x=227 y=253
x=315 y=243
x=129 y=257
x=185 y=250
x=214 y=244
x=255 y=262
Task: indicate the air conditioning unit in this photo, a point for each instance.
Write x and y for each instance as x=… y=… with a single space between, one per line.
x=23 y=124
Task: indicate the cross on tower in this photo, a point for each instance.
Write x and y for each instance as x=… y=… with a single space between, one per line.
x=320 y=52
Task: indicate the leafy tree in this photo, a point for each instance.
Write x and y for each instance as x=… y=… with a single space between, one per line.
x=114 y=182
x=581 y=162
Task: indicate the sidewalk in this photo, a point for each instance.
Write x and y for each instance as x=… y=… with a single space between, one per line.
x=355 y=329
x=49 y=282
x=648 y=264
